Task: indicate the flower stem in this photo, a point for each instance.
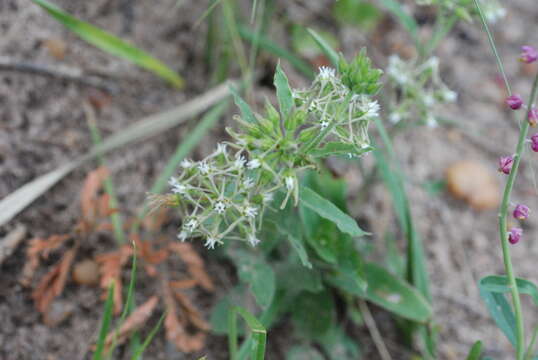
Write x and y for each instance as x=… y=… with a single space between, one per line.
x=520 y=336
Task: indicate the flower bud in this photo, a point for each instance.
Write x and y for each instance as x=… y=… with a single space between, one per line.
x=514 y=235
x=514 y=102
x=528 y=54
x=521 y=212
x=505 y=164
x=534 y=142
x=533 y=116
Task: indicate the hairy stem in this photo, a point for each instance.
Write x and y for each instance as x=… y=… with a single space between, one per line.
x=520 y=336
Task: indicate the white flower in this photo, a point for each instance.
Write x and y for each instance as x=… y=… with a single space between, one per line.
x=239 y=161
x=177 y=187
x=326 y=73
x=449 y=95
x=324 y=124
x=248 y=183
x=395 y=117
x=429 y=100
x=431 y=121
x=250 y=211
x=290 y=182
x=253 y=240
x=187 y=164
x=267 y=197
x=182 y=235
x=369 y=108
x=398 y=70
x=220 y=207
x=204 y=167
x=221 y=149
x=210 y=242
x=191 y=225
x=254 y=164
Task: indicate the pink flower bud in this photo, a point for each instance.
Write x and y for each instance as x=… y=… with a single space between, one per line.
x=514 y=235
x=521 y=212
x=528 y=54
x=534 y=142
x=514 y=102
x=505 y=164
x=533 y=116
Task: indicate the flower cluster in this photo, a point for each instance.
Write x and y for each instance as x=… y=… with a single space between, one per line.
x=225 y=195
x=420 y=89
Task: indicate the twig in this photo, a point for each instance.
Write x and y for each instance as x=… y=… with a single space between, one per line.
x=59 y=71
x=10 y=242
x=374 y=331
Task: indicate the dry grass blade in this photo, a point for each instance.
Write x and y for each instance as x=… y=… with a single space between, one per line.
x=195 y=264
x=111 y=265
x=10 y=242
x=53 y=283
x=89 y=201
x=17 y=201
x=134 y=322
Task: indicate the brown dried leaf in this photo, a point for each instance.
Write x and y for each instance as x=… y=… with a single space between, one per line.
x=134 y=322
x=39 y=247
x=52 y=284
x=146 y=251
x=155 y=220
x=183 y=284
x=193 y=314
x=195 y=264
x=89 y=201
x=111 y=265
x=175 y=329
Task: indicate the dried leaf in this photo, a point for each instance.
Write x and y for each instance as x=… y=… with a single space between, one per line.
x=134 y=322
x=155 y=221
x=53 y=283
x=193 y=314
x=88 y=196
x=110 y=268
x=195 y=264
x=176 y=330
x=146 y=251
x=39 y=247
x=183 y=284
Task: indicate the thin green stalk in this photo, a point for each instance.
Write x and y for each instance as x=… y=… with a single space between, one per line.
x=530 y=349
x=493 y=47
x=520 y=335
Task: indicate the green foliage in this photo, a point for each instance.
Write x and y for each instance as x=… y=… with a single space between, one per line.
x=357 y=12
x=257 y=339
x=313 y=314
x=501 y=311
x=259 y=276
x=111 y=44
x=105 y=325
x=475 y=352
x=359 y=75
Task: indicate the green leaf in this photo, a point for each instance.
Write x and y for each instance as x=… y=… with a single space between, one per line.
x=302 y=279
x=256 y=341
x=313 y=313
x=338 y=345
x=331 y=54
x=501 y=311
x=475 y=352
x=499 y=284
x=338 y=148
x=245 y=109
x=388 y=291
x=329 y=211
x=357 y=12
x=259 y=276
x=111 y=44
x=303 y=352
x=283 y=92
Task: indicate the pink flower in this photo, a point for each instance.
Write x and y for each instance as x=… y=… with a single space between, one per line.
x=514 y=102
x=521 y=212
x=505 y=164
x=514 y=235
x=534 y=142
x=528 y=54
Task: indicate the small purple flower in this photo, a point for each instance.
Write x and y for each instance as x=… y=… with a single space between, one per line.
x=534 y=142
x=533 y=116
x=505 y=164
x=514 y=235
x=528 y=54
x=514 y=102
x=521 y=212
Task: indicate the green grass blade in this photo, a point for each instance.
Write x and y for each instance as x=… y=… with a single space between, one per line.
x=138 y=353
x=105 y=325
x=111 y=44
x=325 y=47
x=475 y=352
x=269 y=46
x=152 y=125
x=256 y=343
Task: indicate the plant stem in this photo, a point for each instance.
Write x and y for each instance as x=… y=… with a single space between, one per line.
x=530 y=349
x=520 y=336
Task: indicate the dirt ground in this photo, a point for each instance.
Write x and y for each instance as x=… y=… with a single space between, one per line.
x=42 y=126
